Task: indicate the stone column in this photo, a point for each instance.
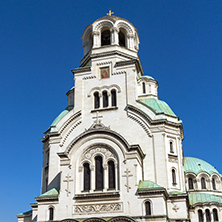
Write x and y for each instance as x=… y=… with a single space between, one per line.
x=106 y=179
x=96 y=39
x=92 y=176
x=114 y=36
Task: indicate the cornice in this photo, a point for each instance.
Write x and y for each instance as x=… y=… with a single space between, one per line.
x=81 y=69
x=104 y=195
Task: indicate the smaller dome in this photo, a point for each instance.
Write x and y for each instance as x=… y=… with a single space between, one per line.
x=158 y=106
x=147 y=76
x=195 y=165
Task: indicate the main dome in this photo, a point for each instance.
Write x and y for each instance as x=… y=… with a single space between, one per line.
x=195 y=165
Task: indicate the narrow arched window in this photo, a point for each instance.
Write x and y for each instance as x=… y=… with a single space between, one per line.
x=111 y=171
x=96 y=100
x=51 y=213
x=105 y=99
x=144 y=87
x=208 y=218
x=122 y=39
x=190 y=183
x=99 y=173
x=213 y=184
x=203 y=183
x=147 y=208
x=215 y=214
x=200 y=215
x=171 y=147
x=87 y=180
x=113 y=97
x=174 y=177
x=105 y=38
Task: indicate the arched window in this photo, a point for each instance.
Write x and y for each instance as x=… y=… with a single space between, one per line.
x=144 y=87
x=171 y=147
x=99 y=173
x=147 y=208
x=208 y=218
x=87 y=177
x=111 y=171
x=113 y=97
x=105 y=99
x=190 y=183
x=213 y=184
x=174 y=177
x=203 y=183
x=215 y=214
x=51 y=213
x=200 y=215
x=96 y=100
x=122 y=39
x=105 y=38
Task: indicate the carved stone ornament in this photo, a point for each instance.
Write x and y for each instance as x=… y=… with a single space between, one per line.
x=98 y=208
x=172 y=159
x=92 y=152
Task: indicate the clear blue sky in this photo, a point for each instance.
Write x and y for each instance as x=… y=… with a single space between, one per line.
x=39 y=45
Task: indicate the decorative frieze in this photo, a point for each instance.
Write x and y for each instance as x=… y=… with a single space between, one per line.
x=98 y=208
x=89 y=77
x=118 y=73
x=172 y=159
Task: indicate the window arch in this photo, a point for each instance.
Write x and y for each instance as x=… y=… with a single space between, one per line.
x=105 y=99
x=174 y=177
x=105 y=37
x=190 y=183
x=213 y=184
x=122 y=39
x=200 y=216
x=144 y=87
x=171 y=147
x=96 y=100
x=147 y=208
x=203 y=183
x=113 y=97
x=99 y=173
x=87 y=177
x=51 y=213
x=208 y=217
x=215 y=214
x=111 y=175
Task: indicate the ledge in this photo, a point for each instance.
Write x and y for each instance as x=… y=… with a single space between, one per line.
x=104 y=109
x=99 y=195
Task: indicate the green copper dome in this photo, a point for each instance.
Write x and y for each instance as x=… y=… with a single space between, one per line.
x=158 y=106
x=195 y=198
x=59 y=117
x=195 y=165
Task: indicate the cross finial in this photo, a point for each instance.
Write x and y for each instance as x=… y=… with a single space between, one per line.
x=110 y=13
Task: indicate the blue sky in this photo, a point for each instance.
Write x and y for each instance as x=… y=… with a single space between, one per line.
x=39 y=45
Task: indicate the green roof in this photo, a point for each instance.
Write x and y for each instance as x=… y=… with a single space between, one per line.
x=51 y=193
x=148 y=77
x=195 y=198
x=26 y=213
x=59 y=117
x=148 y=185
x=195 y=165
x=158 y=106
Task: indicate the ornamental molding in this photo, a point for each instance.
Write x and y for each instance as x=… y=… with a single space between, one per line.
x=98 y=208
x=141 y=122
x=103 y=63
x=98 y=149
x=89 y=77
x=172 y=159
x=81 y=69
x=105 y=87
x=126 y=27
x=103 y=24
x=70 y=131
x=118 y=73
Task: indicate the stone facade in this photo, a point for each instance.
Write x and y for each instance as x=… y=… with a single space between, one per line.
x=115 y=153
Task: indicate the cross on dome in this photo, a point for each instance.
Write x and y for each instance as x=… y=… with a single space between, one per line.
x=110 y=13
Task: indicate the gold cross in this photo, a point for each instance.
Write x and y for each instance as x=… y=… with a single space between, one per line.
x=110 y=13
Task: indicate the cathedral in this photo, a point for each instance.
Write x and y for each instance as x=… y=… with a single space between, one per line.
x=115 y=153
